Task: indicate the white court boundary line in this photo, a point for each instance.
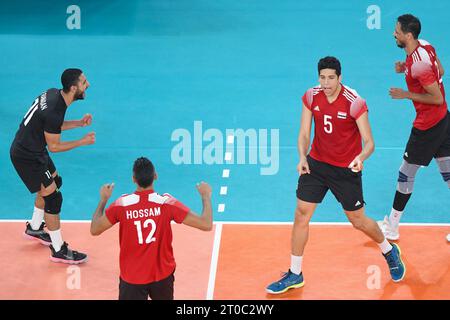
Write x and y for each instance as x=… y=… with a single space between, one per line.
x=214 y=261
x=406 y=224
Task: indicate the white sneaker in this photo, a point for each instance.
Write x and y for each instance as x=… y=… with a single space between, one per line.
x=448 y=237
x=390 y=232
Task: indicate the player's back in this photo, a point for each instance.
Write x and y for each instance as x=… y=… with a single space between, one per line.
x=145 y=233
x=45 y=114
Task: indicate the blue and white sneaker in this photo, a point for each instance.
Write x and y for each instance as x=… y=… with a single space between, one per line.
x=396 y=266
x=288 y=281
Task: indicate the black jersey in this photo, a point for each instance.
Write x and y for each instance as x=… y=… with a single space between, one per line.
x=45 y=114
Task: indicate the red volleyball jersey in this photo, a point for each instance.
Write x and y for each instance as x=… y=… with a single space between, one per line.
x=145 y=234
x=422 y=70
x=337 y=140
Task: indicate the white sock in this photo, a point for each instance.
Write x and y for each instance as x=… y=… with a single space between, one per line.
x=38 y=217
x=394 y=218
x=296 y=264
x=385 y=246
x=57 y=240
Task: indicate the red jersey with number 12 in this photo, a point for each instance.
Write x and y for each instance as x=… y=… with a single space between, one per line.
x=337 y=140
x=145 y=234
x=422 y=70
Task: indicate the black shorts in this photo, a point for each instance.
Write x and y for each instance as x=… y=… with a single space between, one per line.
x=159 y=290
x=33 y=169
x=424 y=145
x=345 y=184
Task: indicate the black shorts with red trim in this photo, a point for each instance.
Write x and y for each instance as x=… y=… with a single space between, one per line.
x=345 y=185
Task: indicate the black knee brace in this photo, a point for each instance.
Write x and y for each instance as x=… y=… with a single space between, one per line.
x=53 y=203
x=58 y=181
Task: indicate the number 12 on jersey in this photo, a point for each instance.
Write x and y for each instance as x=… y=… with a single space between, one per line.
x=327 y=125
x=150 y=237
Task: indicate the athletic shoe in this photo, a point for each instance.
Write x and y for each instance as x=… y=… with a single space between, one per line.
x=448 y=237
x=389 y=231
x=288 y=281
x=37 y=235
x=66 y=255
x=396 y=266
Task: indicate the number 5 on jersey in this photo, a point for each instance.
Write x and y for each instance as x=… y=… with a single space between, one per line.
x=150 y=237
x=327 y=125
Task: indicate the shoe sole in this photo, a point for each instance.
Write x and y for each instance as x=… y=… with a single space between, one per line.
x=295 y=286
x=58 y=260
x=28 y=237
x=400 y=257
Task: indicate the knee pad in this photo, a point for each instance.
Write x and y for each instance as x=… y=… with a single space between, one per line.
x=406 y=176
x=53 y=203
x=444 y=168
x=58 y=181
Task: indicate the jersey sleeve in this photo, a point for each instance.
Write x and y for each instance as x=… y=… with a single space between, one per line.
x=358 y=107
x=112 y=212
x=53 y=123
x=423 y=72
x=308 y=98
x=177 y=210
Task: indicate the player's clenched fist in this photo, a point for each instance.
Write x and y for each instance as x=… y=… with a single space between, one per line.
x=303 y=166
x=204 y=189
x=89 y=138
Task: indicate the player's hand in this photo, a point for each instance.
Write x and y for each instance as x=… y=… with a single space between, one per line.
x=400 y=67
x=356 y=165
x=106 y=191
x=397 y=93
x=86 y=120
x=303 y=166
x=204 y=189
x=88 y=139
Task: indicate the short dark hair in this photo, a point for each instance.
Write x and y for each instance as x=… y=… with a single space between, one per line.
x=410 y=23
x=143 y=172
x=329 y=63
x=70 y=77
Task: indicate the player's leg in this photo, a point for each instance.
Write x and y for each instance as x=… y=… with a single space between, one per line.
x=442 y=156
x=163 y=289
x=405 y=187
x=444 y=168
x=300 y=231
x=34 y=172
x=311 y=190
x=422 y=147
x=39 y=203
x=347 y=188
x=443 y=159
x=366 y=225
x=391 y=252
x=60 y=251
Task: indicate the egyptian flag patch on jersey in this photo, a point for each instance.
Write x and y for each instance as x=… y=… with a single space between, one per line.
x=342 y=115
